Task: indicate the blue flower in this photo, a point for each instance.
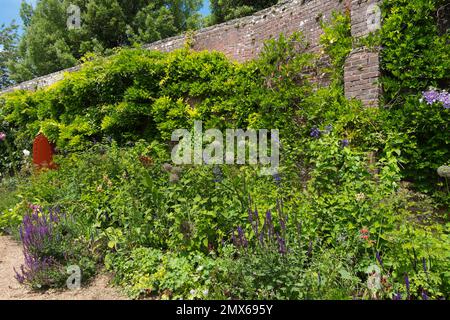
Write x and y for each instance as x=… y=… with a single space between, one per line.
x=281 y=245
x=431 y=96
x=444 y=97
x=424 y=265
x=345 y=143
x=315 y=132
x=407 y=285
x=277 y=178
x=397 y=296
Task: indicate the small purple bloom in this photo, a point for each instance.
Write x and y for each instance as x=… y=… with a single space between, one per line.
x=444 y=97
x=261 y=238
x=283 y=225
x=345 y=143
x=397 y=296
x=277 y=178
x=256 y=219
x=281 y=245
x=269 y=224
x=424 y=295
x=407 y=286
x=379 y=258
x=315 y=132
x=2 y=136
x=431 y=96
x=242 y=240
x=233 y=238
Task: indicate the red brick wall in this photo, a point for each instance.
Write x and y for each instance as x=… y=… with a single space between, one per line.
x=242 y=39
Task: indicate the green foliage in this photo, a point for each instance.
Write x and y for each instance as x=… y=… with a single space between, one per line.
x=11 y=210
x=8 y=51
x=48 y=45
x=116 y=97
x=224 y=10
x=150 y=272
x=422 y=135
x=415 y=56
x=337 y=41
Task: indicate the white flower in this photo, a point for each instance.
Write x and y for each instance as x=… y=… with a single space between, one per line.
x=193 y=292
x=205 y=292
x=26 y=153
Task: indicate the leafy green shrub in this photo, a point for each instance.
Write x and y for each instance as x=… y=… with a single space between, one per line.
x=49 y=246
x=151 y=272
x=415 y=56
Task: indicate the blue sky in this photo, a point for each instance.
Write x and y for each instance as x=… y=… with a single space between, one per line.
x=9 y=10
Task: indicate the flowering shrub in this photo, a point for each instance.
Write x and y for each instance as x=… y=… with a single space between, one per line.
x=37 y=233
x=48 y=250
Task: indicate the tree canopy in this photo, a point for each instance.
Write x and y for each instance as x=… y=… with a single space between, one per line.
x=49 y=44
x=8 y=43
x=224 y=10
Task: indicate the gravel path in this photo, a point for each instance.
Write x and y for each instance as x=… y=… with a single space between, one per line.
x=11 y=256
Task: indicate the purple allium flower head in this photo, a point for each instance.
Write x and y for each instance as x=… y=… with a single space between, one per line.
x=2 y=136
x=345 y=143
x=315 y=132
